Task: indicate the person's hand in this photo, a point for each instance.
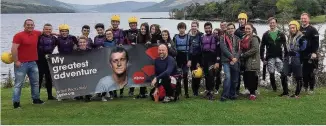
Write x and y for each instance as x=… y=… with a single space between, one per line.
x=147 y=43
x=234 y=60
x=18 y=64
x=216 y=66
x=169 y=45
x=189 y=63
x=154 y=82
x=313 y=56
x=133 y=43
x=120 y=45
x=155 y=92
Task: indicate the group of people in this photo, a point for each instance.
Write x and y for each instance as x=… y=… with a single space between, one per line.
x=239 y=51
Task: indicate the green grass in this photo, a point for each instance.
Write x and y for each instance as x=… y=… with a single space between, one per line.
x=318 y=19
x=267 y=109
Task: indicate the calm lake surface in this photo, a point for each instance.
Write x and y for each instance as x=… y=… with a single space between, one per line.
x=13 y=23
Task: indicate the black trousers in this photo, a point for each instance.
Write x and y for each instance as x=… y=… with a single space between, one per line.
x=195 y=59
x=309 y=78
x=272 y=80
x=242 y=70
x=218 y=78
x=182 y=63
x=166 y=83
x=209 y=59
x=250 y=78
x=44 y=71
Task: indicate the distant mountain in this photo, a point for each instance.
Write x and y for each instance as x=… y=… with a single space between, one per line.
x=35 y=6
x=127 y=6
x=168 y=5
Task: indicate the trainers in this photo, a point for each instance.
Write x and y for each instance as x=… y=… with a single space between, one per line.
x=216 y=93
x=245 y=92
x=295 y=96
x=16 y=105
x=166 y=99
x=104 y=99
x=38 y=101
x=51 y=98
x=252 y=97
x=203 y=92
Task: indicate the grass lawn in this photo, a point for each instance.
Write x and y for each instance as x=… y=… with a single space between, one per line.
x=267 y=109
x=318 y=19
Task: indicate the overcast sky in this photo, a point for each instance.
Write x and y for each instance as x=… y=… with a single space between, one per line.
x=93 y=2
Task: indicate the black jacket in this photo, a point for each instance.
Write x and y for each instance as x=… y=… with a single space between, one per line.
x=312 y=36
x=274 y=48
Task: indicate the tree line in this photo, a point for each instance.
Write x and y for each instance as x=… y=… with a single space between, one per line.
x=30 y=8
x=262 y=9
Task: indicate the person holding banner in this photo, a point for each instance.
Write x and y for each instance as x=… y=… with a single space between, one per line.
x=109 y=41
x=46 y=45
x=85 y=32
x=24 y=53
x=117 y=32
x=100 y=38
x=181 y=41
x=118 y=60
x=165 y=68
x=65 y=42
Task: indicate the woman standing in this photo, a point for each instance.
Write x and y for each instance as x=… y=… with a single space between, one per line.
x=250 y=55
x=166 y=39
x=155 y=34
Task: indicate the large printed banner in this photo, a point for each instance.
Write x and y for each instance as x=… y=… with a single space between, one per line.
x=101 y=70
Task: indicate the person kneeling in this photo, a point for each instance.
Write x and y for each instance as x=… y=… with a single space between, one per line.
x=165 y=67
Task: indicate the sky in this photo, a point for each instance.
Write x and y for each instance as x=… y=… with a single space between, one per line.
x=92 y=2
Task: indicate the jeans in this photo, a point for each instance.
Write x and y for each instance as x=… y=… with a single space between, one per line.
x=29 y=68
x=231 y=79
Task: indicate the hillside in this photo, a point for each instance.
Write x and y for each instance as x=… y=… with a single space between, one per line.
x=34 y=6
x=168 y=5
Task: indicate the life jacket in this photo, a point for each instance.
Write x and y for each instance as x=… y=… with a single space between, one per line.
x=208 y=43
x=117 y=35
x=65 y=45
x=182 y=45
x=46 y=44
x=108 y=43
x=131 y=36
x=296 y=46
x=195 y=44
x=99 y=41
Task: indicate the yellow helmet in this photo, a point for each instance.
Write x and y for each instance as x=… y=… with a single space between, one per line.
x=296 y=23
x=63 y=27
x=243 y=15
x=198 y=73
x=115 y=18
x=133 y=19
x=6 y=58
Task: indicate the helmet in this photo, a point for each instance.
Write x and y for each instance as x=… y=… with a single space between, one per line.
x=296 y=23
x=6 y=58
x=198 y=73
x=243 y=15
x=63 y=27
x=133 y=19
x=115 y=18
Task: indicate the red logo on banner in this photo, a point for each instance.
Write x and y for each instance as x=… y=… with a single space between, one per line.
x=149 y=70
x=139 y=78
x=152 y=52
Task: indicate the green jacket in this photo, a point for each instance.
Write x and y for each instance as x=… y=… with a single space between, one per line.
x=252 y=56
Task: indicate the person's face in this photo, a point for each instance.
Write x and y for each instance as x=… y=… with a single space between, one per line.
x=64 y=33
x=230 y=29
x=29 y=26
x=215 y=32
x=242 y=21
x=223 y=26
x=272 y=24
x=208 y=29
x=305 y=20
x=115 y=24
x=194 y=27
x=82 y=44
x=182 y=30
x=165 y=36
x=109 y=35
x=143 y=30
x=47 y=30
x=162 y=51
x=119 y=62
x=85 y=31
x=153 y=30
x=293 y=29
x=133 y=25
x=248 y=30
x=100 y=31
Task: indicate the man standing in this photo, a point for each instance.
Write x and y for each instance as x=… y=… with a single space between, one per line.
x=24 y=52
x=273 y=40
x=46 y=45
x=85 y=32
x=310 y=60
